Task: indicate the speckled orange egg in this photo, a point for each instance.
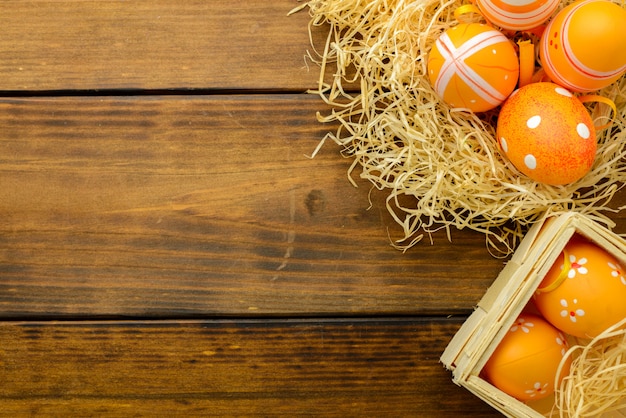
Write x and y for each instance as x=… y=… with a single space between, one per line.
x=584 y=47
x=585 y=290
x=473 y=66
x=525 y=363
x=517 y=14
x=547 y=134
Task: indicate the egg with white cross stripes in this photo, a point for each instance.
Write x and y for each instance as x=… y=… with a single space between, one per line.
x=547 y=134
x=473 y=66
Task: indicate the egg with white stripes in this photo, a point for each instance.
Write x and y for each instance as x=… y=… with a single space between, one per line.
x=547 y=134
x=584 y=47
x=517 y=14
x=473 y=66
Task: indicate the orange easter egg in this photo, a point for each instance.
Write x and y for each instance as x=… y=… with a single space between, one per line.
x=584 y=47
x=517 y=14
x=473 y=66
x=584 y=292
x=547 y=134
x=526 y=361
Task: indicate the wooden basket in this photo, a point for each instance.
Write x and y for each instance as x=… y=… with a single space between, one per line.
x=472 y=346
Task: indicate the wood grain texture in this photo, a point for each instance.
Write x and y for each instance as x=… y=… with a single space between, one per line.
x=254 y=281
x=185 y=206
x=154 y=44
x=225 y=368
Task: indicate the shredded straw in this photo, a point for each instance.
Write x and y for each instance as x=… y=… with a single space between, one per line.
x=441 y=167
x=596 y=383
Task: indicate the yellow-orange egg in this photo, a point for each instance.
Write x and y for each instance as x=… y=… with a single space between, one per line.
x=584 y=47
x=547 y=134
x=526 y=361
x=473 y=66
x=517 y=14
x=585 y=290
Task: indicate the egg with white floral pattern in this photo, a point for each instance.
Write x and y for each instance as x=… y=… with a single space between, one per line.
x=584 y=292
x=526 y=361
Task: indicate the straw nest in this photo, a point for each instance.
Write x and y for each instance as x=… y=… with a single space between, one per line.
x=596 y=384
x=441 y=167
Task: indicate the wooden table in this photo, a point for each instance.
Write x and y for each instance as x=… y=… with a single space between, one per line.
x=167 y=248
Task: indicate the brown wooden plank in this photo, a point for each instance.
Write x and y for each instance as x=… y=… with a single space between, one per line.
x=204 y=205
x=150 y=44
x=234 y=368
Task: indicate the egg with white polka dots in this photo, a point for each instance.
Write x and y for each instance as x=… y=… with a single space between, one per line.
x=473 y=66
x=547 y=134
